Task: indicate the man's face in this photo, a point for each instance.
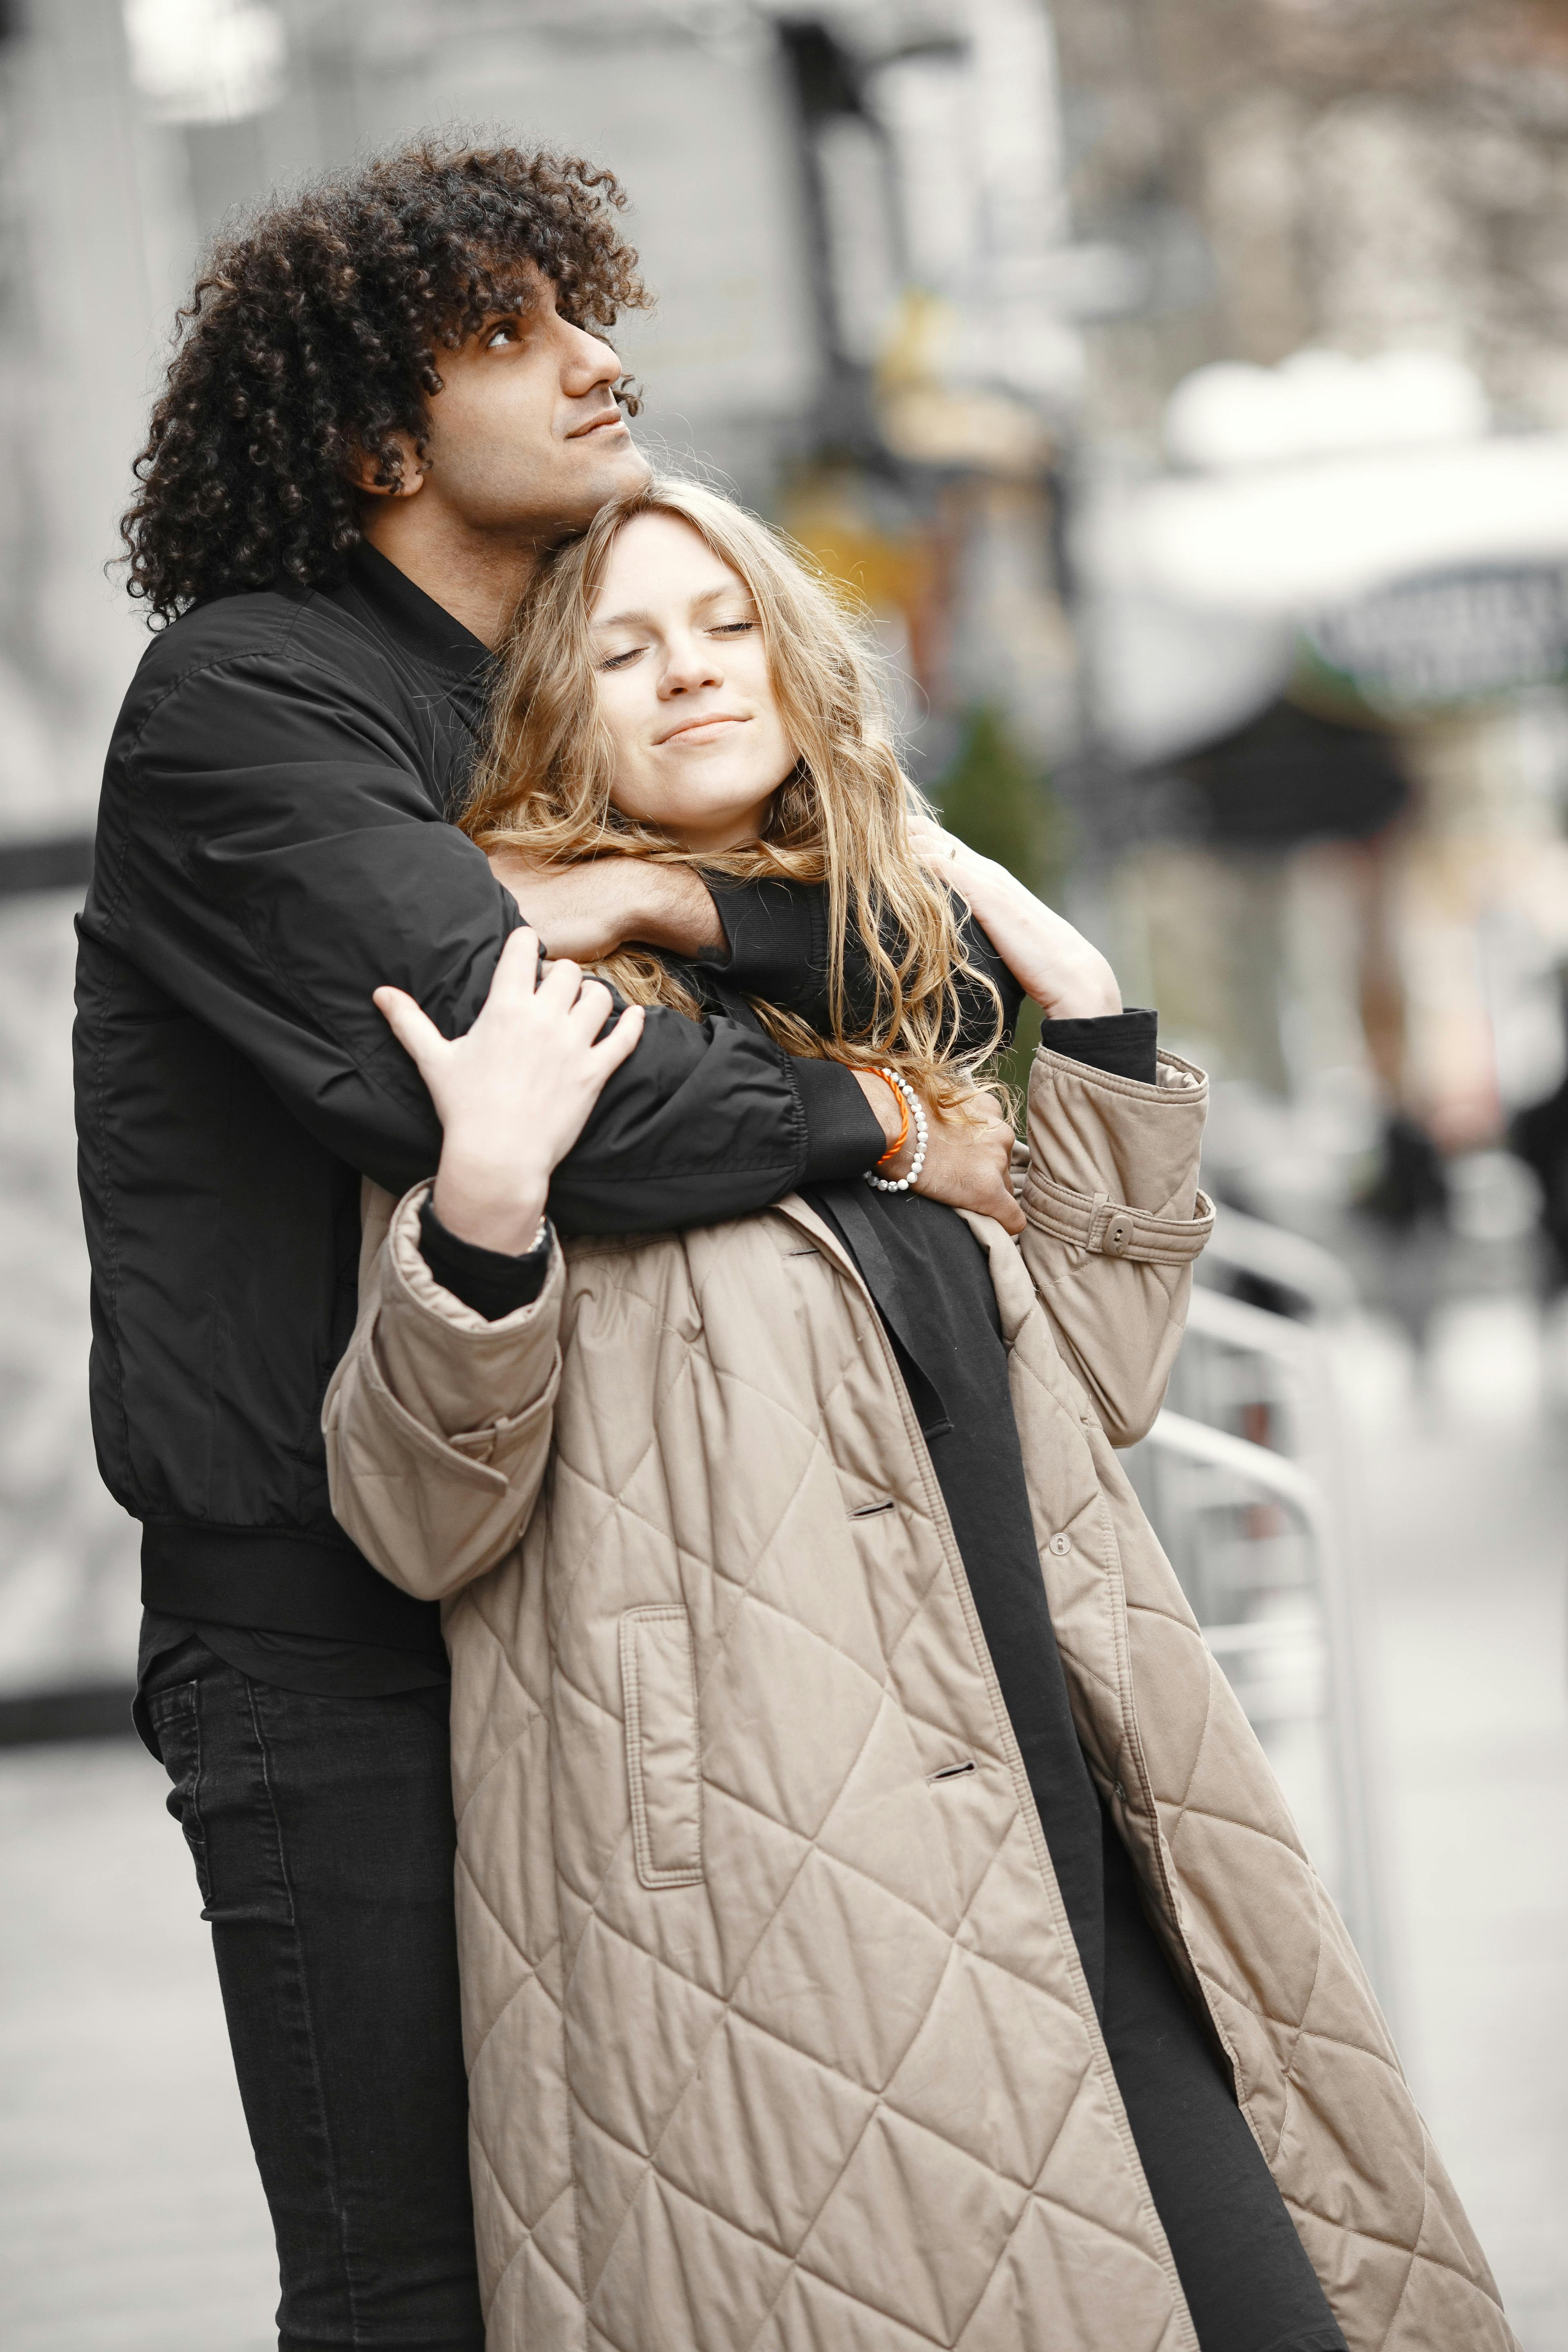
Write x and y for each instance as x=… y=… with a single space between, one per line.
x=526 y=439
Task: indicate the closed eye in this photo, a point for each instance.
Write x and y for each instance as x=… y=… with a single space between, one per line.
x=619 y=661
x=731 y=628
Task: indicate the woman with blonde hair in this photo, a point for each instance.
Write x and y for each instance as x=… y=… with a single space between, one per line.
x=879 y=1927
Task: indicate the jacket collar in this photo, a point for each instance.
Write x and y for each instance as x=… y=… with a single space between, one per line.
x=384 y=597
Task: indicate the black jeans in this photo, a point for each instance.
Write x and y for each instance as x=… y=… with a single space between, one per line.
x=322 y=1835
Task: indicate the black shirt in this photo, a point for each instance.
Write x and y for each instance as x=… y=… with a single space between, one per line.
x=492 y=1284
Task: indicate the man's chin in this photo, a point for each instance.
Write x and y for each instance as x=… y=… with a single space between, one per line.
x=616 y=473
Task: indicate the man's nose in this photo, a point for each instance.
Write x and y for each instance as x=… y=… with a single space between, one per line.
x=587 y=361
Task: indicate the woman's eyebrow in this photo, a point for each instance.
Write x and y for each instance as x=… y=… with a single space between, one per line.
x=646 y=620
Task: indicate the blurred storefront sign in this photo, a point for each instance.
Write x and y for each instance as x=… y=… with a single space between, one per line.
x=1425 y=644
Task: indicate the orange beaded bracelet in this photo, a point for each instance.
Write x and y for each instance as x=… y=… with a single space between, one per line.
x=893 y=1150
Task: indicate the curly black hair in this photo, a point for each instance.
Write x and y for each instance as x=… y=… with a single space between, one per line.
x=311 y=338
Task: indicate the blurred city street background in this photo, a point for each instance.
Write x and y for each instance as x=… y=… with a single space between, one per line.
x=1183 y=386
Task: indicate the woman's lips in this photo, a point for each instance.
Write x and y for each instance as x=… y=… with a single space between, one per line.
x=703 y=730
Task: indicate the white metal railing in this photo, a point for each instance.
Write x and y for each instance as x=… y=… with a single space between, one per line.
x=1250 y=1535
x=1245 y=1476
x=1288 y=1260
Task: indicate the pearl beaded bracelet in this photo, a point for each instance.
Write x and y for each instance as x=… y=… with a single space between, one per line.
x=922 y=1132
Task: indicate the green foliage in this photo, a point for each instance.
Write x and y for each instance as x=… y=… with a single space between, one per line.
x=996 y=800
x=993 y=798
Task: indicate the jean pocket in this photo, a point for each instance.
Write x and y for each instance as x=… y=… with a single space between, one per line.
x=659 y=1685
x=175 y=1717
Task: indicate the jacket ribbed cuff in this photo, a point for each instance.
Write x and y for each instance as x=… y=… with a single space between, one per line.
x=843 y=1134
x=489 y=1281
x=1125 y=1044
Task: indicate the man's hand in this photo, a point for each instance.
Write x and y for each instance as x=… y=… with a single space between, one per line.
x=969 y=1153
x=587 y=910
x=968 y=1158
x=1053 y=964
x=514 y=1094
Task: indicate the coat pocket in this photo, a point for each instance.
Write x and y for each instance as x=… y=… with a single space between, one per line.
x=658 y=1687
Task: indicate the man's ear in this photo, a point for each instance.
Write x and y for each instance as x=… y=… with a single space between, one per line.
x=364 y=468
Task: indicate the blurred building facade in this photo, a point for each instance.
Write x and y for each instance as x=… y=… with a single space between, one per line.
x=1358 y=213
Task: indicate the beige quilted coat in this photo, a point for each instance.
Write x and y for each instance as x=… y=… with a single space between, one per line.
x=777 y=2039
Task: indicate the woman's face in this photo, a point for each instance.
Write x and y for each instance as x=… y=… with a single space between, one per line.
x=684 y=688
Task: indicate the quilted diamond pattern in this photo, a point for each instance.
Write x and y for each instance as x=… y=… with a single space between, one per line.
x=861 y=2078
x=1247 y=1918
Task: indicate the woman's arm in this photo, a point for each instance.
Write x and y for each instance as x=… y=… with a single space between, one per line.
x=1114 y=1221
x=1068 y=977
x=439 y=1420
x=437 y=1423
x=1113 y=1214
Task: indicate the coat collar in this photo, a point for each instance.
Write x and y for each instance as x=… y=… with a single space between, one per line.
x=1009 y=1275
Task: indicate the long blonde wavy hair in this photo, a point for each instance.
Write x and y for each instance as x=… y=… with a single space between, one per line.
x=841 y=816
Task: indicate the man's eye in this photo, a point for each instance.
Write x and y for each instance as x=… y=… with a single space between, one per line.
x=505 y=333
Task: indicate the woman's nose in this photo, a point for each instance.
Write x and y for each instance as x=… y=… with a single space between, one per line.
x=688 y=664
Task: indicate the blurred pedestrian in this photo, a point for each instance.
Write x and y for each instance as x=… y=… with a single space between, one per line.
x=864 y=1937
x=392 y=393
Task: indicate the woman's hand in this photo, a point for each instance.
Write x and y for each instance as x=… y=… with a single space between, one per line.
x=514 y=1094
x=589 y=909
x=1053 y=964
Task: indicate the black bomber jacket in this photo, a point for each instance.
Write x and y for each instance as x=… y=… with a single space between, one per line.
x=273 y=843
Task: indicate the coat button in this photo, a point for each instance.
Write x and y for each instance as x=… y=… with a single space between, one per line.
x=1061 y=1545
x=1121 y=1791
x=1118 y=1234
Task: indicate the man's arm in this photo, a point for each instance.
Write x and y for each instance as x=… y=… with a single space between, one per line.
x=584 y=911
x=774 y=942
x=270 y=855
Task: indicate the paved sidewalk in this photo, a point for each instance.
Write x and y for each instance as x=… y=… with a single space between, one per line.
x=1464 y=1561
x=131 y=2219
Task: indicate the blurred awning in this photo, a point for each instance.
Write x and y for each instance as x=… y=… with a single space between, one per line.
x=1289 y=540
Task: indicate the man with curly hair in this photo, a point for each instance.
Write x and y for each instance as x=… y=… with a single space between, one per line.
x=390 y=395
